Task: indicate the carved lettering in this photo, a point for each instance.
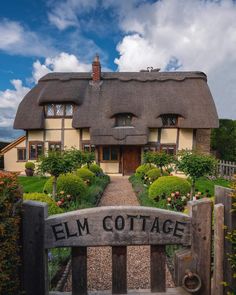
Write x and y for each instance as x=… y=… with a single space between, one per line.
x=83 y=227
x=68 y=234
x=57 y=232
x=105 y=226
x=155 y=225
x=131 y=217
x=179 y=229
x=167 y=229
x=119 y=222
x=144 y=218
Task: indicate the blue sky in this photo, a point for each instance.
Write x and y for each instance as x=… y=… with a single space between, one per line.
x=37 y=37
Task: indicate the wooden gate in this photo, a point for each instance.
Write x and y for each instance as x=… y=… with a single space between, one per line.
x=118 y=227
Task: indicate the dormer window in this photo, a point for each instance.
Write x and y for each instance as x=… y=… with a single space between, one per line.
x=123 y=120
x=58 y=110
x=169 y=120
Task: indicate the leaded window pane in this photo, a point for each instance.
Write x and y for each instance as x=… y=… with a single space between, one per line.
x=169 y=120
x=106 y=153
x=59 y=110
x=50 y=110
x=123 y=120
x=33 y=151
x=39 y=149
x=69 y=110
x=114 y=154
x=21 y=154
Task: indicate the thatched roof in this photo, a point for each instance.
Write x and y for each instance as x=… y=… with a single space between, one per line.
x=147 y=95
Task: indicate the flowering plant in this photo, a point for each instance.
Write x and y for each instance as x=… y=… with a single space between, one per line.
x=63 y=200
x=177 y=202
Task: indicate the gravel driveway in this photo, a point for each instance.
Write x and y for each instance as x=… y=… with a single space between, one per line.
x=119 y=192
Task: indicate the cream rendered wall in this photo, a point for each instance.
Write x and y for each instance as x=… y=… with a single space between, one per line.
x=68 y=123
x=110 y=167
x=10 y=159
x=53 y=123
x=185 y=139
x=72 y=138
x=53 y=135
x=152 y=135
x=168 y=136
x=85 y=134
x=35 y=135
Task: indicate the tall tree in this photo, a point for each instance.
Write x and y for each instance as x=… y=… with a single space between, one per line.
x=223 y=140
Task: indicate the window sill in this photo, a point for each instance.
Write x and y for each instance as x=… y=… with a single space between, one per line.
x=109 y=161
x=21 y=161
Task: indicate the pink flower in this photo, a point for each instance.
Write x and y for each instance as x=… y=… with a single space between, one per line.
x=59 y=203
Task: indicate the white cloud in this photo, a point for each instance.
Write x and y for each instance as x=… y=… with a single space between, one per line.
x=200 y=35
x=65 y=14
x=9 y=100
x=15 y=39
x=62 y=62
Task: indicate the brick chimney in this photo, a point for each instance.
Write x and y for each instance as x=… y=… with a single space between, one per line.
x=96 y=69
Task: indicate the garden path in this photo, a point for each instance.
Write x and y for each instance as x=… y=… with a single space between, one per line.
x=119 y=192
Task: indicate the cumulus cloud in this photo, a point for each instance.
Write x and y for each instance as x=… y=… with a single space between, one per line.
x=62 y=62
x=9 y=99
x=65 y=14
x=15 y=39
x=189 y=35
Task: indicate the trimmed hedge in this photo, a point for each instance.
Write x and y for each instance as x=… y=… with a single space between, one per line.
x=85 y=174
x=96 y=169
x=70 y=184
x=153 y=174
x=143 y=169
x=52 y=206
x=10 y=210
x=166 y=185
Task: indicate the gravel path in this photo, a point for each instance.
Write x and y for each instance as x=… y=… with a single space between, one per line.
x=119 y=192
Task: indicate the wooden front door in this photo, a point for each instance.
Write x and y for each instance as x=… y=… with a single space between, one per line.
x=131 y=159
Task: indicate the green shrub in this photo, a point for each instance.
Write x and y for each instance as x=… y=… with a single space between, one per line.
x=30 y=165
x=70 y=184
x=153 y=175
x=85 y=174
x=10 y=212
x=165 y=185
x=143 y=169
x=96 y=169
x=40 y=197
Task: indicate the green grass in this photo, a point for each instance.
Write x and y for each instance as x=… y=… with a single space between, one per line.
x=32 y=184
x=204 y=184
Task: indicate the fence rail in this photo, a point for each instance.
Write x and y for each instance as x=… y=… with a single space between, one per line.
x=226 y=169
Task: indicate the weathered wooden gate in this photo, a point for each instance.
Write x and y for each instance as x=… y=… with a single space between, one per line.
x=118 y=227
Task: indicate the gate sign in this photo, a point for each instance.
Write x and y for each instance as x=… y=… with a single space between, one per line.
x=117 y=226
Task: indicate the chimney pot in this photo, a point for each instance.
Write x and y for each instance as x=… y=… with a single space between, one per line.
x=96 y=69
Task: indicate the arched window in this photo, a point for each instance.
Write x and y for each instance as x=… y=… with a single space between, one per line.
x=169 y=120
x=123 y=120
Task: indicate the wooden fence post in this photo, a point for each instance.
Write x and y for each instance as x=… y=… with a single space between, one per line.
x=34 y=255
x=223 y=196
x=201 y=212
x=217 y=288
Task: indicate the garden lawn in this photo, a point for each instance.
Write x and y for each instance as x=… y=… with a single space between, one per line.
x=32 y=184
x=203 y=184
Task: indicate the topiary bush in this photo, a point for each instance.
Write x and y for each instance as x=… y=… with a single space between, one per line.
x=165 y=185
x=30 y=165
x=70 y=184
x=85 y=174
x=96 y=169
x=143 y=169
x=40 y=197
x=152 y=175
x=10 y=212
